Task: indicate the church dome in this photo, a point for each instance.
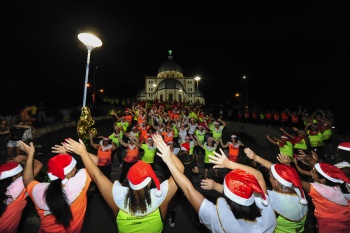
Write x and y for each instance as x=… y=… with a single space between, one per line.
x=170 y=83
x=170 y=68
x=170 y=65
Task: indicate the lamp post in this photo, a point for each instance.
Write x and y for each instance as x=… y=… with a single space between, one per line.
x=91 y=42
x=154 y=86
x=181 y=94
x=197 y=78
x=94 y=87
x=246 y=92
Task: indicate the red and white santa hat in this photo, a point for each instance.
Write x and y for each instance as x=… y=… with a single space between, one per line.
x=59 y=166
x=103 y=140
x=185 y=146
x=289 y=177
x=344 y=146
x=140 y=174
x=9 y=169
x=331 y=173
x=284 y=136
x=239 y=186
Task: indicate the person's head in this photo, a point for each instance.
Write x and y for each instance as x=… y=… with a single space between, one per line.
x=3 y=122
x=185 y=146
x=149 y=140
x=234 y=138
x=139 y=195
x=105 y=141
x=342 y=152
x=314 y=127
x=171 y=145
x=216 y=124
x=285 y=178
x=329 y=175
x=60 y=169
x=187 y=139
x=200 y=127
x=284 y=137
x=210 y=141
x=239 y=188
x=9 y=172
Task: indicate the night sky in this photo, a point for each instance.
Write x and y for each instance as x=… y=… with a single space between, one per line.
x=292 y=52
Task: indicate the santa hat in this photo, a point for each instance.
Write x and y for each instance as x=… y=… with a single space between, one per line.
x=104 y=139
x=216 y=123
x=140 y=174
x=9 y=169
x=170 y=142
x=185 y=146
x=284 y=136
x=59 y=166
x=233 y=136
x=344 y=146
x=239 y=186
x=149 y=138
x=331 y=173
x=289 y=177
x=343 y=164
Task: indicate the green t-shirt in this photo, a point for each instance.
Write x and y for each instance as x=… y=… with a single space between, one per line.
x=148 y=157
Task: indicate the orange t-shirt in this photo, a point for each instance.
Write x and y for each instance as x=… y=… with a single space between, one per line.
x=77 y=185
x=167 y=137
x=104 y=157
x=132 y=154
x=232 y=152
x=11 y=217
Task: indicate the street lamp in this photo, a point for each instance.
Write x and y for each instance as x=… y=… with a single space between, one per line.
x=94 y=87
x=91 y=42
x=181 y=94
x=197 y=78
x=246 y=92
x=154 y=86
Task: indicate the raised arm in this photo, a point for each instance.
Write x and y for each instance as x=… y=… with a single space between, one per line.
x=251 y=154
x=28 y=173
x=59 y=149
x=102 y=182
x=37 y=165
x=194 y=197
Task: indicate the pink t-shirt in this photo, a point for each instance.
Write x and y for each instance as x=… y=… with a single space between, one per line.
x=76 y=189
x=11 y=217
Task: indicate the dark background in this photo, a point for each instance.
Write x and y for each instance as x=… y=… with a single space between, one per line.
x=292 y=52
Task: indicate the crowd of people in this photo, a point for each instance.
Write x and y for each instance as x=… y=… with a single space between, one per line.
x=310 y=179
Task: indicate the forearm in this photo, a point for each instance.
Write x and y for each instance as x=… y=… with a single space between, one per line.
x=28 y=174
x=262 y=161
x=37 y=167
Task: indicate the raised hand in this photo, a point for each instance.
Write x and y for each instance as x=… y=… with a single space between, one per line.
x=220 y=160
x=59 y=149
x=27 y=149
x=249 y=153
x=164 y=149
x=283 y=158
x=74 y=146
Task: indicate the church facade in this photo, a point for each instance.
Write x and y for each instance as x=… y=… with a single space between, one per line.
x=171 y=85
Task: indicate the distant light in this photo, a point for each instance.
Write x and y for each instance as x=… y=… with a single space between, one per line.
x=243 y=77
x=197 y=78
x=101 y=90
x=154 y=85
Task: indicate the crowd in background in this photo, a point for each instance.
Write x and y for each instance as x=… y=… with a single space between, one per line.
x=311 y=179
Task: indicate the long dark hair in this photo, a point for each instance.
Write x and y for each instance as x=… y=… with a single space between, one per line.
x=57 y=202
x=249 y=213
x=138 y=200
x=4 y=184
